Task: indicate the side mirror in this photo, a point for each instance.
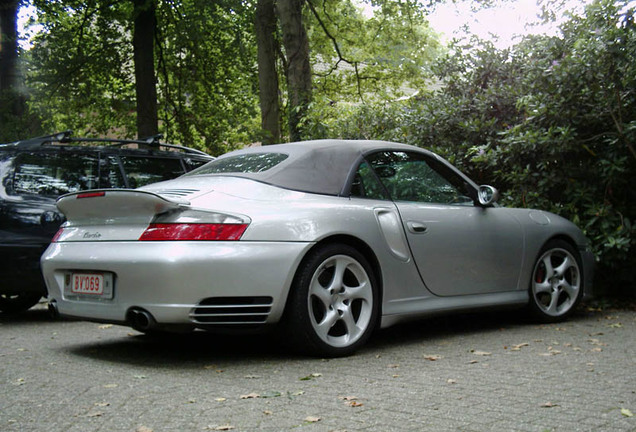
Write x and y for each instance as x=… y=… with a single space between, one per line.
x=487 y=195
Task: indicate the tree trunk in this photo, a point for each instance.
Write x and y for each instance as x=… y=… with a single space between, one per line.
x=145 y=24
x=298 y=70
x=12 y=100
x=265 y=25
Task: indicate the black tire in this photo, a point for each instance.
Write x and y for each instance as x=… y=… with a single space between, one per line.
x=13 y=303
x=556 y=287
x=334 y=302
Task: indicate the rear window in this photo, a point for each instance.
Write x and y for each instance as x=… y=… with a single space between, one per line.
x=245 y=163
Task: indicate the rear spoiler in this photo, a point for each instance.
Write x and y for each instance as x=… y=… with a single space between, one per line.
x=108 y=205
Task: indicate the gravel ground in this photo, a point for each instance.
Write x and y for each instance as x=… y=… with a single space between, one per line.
x=477 y=372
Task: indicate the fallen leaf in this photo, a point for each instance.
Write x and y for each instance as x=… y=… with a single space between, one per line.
x=481 y=353
x=348 y=398
x=251 y=396
x=143 y=429
x=221 y=428
x=626 y=413
x=393 y=366
x=596 y=349
x=616 y=325
x=354 y=404
x=473 y=361
x=311 y=376
x=312 y=419
x=270 y=394
x=267 y=412
x=298 y=393
x=518 y=347
x=549 y=405
x=95 y=414
x=433 y=357
x=102 y=404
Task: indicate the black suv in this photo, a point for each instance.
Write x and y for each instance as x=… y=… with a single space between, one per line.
x=34 y=172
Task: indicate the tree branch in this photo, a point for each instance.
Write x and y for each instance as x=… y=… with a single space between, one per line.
x=337 y=49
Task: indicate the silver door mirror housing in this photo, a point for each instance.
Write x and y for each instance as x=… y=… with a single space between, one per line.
x=487 y=195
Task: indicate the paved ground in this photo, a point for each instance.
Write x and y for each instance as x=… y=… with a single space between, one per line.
x=463 y=373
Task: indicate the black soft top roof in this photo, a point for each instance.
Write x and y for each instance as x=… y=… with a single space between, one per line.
x=321 y=166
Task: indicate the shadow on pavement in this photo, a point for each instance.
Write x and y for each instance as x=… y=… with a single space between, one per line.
x=195 y=349
x=37 y=314
x=183 y=350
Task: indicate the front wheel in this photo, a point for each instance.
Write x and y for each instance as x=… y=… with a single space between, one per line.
x=333 y=304
x=557 y=282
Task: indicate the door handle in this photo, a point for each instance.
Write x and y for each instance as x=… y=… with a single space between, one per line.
x=417 y=227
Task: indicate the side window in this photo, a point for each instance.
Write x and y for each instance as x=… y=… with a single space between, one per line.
x=366 y=185
x=54 y=174
x=141 y=171
x=415 y=177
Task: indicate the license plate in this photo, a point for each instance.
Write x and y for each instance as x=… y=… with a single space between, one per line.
x=89 y=284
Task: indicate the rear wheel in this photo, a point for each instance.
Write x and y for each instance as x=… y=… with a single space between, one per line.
x=333 y=306
x=12 y=303
x=557 y=282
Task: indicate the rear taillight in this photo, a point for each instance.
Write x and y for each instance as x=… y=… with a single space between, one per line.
x=57 y=235
x=193 y=232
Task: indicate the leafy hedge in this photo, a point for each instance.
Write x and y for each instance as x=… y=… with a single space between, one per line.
x=551 y=122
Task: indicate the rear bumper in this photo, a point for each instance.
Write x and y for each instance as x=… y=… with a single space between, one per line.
x=170 y=279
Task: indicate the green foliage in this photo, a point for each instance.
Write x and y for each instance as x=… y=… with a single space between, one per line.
x=81 y=72
x=551 y=122
x=358 y=58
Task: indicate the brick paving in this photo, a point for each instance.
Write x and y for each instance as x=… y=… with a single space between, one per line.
x=477 y=372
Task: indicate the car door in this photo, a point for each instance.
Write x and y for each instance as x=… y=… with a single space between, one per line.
x=459 y=248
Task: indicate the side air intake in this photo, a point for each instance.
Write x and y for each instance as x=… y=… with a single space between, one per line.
x=232 y=310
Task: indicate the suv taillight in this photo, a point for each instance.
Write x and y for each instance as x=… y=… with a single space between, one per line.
x=57 y=235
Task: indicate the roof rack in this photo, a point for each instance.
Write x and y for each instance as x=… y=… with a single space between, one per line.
x=65 y=138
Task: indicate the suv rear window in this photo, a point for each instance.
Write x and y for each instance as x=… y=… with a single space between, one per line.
x=53 y=174
x=143 y=170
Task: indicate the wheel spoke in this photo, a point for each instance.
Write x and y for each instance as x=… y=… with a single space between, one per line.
x=563 y=267
x=361 y=291
x=321 y=293
x=542 y=287
x=547 y=262
x=323 y=327
x=352 y=329
x=338 y=275
x=554 y=302
x=571 y=291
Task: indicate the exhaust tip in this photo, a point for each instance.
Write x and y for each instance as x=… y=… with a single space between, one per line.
x=141 y=320
x=53 y=309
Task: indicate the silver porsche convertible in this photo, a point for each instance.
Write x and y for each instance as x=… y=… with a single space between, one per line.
x=326 y=239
